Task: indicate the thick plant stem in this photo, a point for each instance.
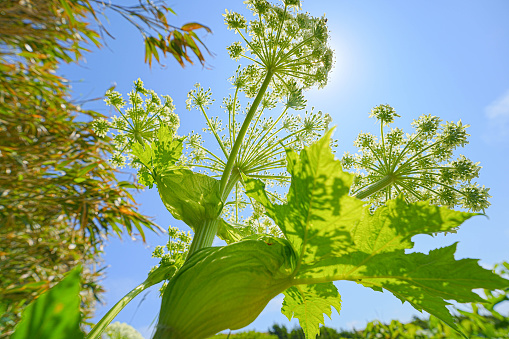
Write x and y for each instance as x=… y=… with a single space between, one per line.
x=234 y=179
x=204 y=236
x=375 y=187
x=242 y=133
x=112 y=313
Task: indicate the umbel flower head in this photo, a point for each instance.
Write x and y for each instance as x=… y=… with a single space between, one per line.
x=291 y=45
x=138 y=123
x=288 y=53
x=417 y=165
x=263 y=154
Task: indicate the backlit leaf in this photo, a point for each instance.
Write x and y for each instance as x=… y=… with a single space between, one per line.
x=194 y=25
x=308 y=303
x=336 y=238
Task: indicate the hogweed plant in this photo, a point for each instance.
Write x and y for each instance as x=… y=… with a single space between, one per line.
x=308 y=226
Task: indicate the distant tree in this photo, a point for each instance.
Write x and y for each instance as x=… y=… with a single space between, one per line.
x=59 y=199
x=280 y=331
x=328 y=333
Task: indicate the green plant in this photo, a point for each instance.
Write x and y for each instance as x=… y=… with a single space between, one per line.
x=299 y=242
x=246 y=335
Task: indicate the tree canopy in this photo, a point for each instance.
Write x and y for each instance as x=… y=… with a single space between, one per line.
x=59 y=198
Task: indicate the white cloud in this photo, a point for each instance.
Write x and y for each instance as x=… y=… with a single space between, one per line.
x=497 y=114
x=499 y=108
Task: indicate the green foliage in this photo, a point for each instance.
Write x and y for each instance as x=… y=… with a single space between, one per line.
x=245 y=335
x=34 y=259
x=224 y=287
x=308 y=303
x=475 y=324
x=59 y=195
x=175 y=255
x=145 y=120
x=318 y=206
x=176 y=248
x=190 y=197
x=55 y=314
x=171 y=261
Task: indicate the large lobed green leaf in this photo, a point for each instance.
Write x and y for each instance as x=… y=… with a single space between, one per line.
x=336 y=238
x=55 y=314
x=319 y=214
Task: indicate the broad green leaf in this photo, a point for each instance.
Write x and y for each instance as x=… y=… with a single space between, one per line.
x=319 y=214
x=424 y=280
x=189 y=196
x=167 y=150
x=308 y=303
x=55 y=314
x=144 y=154
x=336 y=238
x=388 y=230
x=391 y=227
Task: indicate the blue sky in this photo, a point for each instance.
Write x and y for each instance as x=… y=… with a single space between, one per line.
x=445 y=58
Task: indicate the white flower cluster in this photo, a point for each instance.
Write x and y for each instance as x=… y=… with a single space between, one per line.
x=138 y=123
x=291 y=45
x=417 y=165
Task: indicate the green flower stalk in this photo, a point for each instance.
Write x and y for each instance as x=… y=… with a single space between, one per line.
x=417 y=165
